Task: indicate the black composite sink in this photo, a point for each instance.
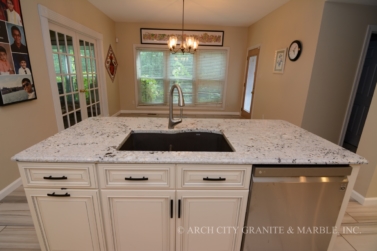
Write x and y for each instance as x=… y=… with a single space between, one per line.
x=179 y=142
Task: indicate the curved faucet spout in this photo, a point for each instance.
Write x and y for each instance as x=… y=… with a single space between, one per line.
x=181 y=103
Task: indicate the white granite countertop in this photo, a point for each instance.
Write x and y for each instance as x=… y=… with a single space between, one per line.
x=96 y=140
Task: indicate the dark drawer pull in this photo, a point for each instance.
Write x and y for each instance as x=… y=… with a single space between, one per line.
x=171 y=208
x=55 y=178
x=179 y=208
x=130 y=178
x=58 y=195
x=214 y=179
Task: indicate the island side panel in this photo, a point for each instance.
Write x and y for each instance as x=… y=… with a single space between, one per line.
x=347 y=195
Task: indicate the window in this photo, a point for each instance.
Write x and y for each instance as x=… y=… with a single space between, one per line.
x=202 y=76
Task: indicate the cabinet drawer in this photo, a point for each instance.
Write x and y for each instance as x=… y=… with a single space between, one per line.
x=213 y=176
x=59 y=175
x=136 y=176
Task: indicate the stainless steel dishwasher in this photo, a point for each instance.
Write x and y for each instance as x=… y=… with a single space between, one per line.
x=293 y=208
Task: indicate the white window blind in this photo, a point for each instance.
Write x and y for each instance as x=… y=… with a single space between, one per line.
x=200 y=75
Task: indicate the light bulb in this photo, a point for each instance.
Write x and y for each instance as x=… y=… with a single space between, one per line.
x=195 y=44
x=189 y=41
x=172 y=42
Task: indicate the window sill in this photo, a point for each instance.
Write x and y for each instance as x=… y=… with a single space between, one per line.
x=186 y=107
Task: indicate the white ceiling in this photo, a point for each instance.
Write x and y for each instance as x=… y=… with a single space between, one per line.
x=207 y=12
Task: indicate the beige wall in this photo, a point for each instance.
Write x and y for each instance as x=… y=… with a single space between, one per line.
x=341 y=38
x=25 y=124
x=366 y=183
x=129 y=34
x=283 y=96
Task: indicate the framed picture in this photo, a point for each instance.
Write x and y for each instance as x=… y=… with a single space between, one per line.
x=161 y=36
x=16 y=78
x=279 y=61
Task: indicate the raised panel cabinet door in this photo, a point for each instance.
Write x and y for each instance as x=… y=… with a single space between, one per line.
x=210 y=220
x=139 y=220
x=66 y=220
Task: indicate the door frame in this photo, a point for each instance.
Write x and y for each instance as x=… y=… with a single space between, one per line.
x=371 y=29
x=258 y=46
x=48 y=16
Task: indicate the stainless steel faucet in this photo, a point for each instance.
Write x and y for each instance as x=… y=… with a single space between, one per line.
x=181 y=103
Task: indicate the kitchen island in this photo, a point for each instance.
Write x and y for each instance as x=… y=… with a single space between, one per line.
x=107 y=196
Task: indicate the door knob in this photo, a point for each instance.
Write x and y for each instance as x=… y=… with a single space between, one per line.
x=83 y=90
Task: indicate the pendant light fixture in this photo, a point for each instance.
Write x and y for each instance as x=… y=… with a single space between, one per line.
x=188 y=46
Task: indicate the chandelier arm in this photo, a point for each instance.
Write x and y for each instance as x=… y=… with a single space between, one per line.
x=183 y=24
x=173 y=40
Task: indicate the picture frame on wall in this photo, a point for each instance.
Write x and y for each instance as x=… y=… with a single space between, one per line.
x=16 y=78
x=279 y=61
x=161 y=36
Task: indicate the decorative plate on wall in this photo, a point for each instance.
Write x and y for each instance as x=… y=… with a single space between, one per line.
x=111 y=64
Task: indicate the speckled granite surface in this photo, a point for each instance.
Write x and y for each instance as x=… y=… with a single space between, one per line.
x=255 y=142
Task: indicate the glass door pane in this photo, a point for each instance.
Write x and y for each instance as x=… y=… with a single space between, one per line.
x=89 y=77
x=66 y=77
x=249 y=83
x=76 y=77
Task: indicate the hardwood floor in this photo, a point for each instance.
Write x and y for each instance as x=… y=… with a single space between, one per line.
x=16 y=226
x=17 y=231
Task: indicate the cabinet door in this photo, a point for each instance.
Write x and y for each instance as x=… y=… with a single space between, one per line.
x=71 y=222
x=210 y=220
x=139 y=220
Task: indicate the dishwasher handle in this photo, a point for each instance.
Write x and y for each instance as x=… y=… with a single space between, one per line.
x=292 y=171
x=301 y=179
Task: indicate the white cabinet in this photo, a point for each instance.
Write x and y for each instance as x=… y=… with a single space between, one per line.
x=213 y=176
x=139 y=220
x=137 y=176
x=58 y=175
x=64 y=203
x=210 y=220
x=213 y=201
x=66 y=220
x=205 y=213
x=137 y=207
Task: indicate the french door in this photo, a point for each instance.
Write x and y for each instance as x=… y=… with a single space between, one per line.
x=75 y=64
x=249 y=86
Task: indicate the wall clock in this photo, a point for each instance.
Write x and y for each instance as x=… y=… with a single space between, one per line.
x=294 y=51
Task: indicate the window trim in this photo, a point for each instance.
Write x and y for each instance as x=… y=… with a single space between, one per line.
x=159 y=107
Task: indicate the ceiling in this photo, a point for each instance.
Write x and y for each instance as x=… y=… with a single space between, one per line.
x=205 y=12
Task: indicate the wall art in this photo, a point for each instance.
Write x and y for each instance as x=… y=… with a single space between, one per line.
x=161 y=36
x=111 y=64
x=16 y=78
x=279 y=61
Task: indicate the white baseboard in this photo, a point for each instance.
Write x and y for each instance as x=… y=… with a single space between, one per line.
x=10 y=188
x=362 y=200
x=116 y=114
x=184 y=112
